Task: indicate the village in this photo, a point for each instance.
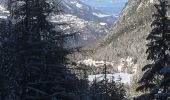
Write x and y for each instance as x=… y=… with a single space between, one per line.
x=125 y=69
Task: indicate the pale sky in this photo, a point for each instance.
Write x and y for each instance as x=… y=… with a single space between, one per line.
x=105 y=3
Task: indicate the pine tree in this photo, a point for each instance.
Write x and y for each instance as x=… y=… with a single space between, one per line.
x=120 y=92
x=36 y=53
x=7 y=53
x=107 y=90
x=156 y=77
x=2 y=68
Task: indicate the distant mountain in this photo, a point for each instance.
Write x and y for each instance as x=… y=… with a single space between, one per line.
x=82 y=18
x=113 y=7
x=84 y=11
x=126 y=39
x=91 y=22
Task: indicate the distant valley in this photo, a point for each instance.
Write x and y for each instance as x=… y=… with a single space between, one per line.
x=113 y=7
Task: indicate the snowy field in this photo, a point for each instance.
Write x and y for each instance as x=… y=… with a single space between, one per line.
x=125 y=77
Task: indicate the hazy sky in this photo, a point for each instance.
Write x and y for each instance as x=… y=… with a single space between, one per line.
x=105 y=3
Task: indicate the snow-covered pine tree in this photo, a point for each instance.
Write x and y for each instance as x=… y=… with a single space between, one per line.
x=38 y=55
x=156 y=77
x=119 y=92
x=106 y=89
x=83 y=85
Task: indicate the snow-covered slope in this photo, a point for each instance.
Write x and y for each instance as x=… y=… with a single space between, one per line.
x=88 y=30
x=81 y=10
x=128 y=36
x=125 y=77
x=86 y=20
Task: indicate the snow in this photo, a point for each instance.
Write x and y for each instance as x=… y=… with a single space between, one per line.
x=73 y=2
x=64 y=18
x=116 y=15
x=126 y=69
x=151 y=1
x=2 y=8
x=79 y=5
x=103 y=23
x=70 y=19
x=141 y=5
x=101 y=15
x=3 y=17
x=3 y=12
x=85 y=38
x=126 y=63
x=91 y=62
x=125 y=77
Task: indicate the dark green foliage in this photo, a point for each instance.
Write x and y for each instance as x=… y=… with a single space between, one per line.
x=105 y=90
x=158 y=51
x=7 y=56
x=32 y=55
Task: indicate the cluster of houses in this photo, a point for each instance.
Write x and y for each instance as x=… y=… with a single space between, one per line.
x=125 y=65
x=125 y=69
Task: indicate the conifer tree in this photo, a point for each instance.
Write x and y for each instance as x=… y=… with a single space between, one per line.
x=36 y=54
x=7 y=59
x=107 y=89
x=156 y=77
x=2 y=54
x=120 y=92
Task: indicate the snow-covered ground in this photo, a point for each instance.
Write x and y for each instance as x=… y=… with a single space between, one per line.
x=125 y=77
x=124 y=70
x=77 y=4
x=103 y=23
x=70 y=19
x=101 y=15
x=91 y=62
x=3 y=12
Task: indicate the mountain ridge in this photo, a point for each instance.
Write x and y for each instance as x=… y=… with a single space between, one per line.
x=127 y=38
x=128 y=35
x=89 y=22
x=81 y=18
